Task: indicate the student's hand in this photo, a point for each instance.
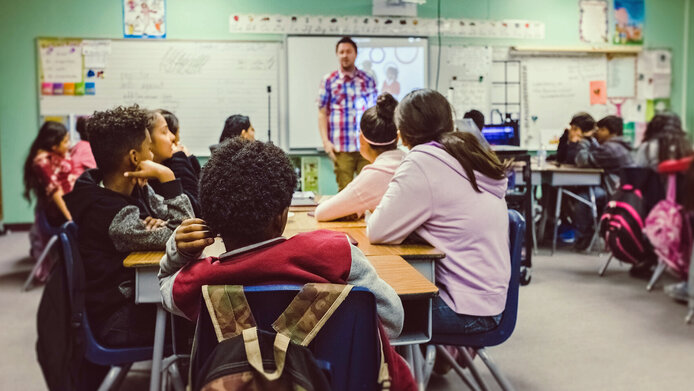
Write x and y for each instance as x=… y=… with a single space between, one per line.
x=181 y=148
x=152 y=223
x=329 y=148
x=575 y=135
x=148 y=169
x=192 y=236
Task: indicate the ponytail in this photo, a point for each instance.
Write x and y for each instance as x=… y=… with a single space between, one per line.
x=473 y=156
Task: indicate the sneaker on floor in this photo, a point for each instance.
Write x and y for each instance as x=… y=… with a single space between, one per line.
x=678 y=291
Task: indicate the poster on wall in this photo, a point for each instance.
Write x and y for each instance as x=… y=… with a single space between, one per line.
x=593 y=24
x=144 y=19
x=629 y=19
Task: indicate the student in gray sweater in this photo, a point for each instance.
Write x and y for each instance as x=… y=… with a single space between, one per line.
x=117 y=212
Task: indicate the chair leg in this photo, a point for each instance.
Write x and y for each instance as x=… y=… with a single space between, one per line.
x=604 y=267
x=557 y=213
x=496 y=372
x=114 y=378
x=440 y=350
x=656 y=276
x=29 y=283
x=176 y=378
x=471 y=366
x=688 y=318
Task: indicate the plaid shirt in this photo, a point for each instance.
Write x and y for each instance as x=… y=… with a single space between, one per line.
x=346 y=99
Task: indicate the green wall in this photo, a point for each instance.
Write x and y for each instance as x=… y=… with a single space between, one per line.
x=22 y=22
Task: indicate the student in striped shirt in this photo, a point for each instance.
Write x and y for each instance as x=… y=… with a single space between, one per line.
x=344 y=96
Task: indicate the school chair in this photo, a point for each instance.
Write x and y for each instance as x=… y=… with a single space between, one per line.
x=479 y=342
x=44 y=263
x=346 y=348
x=119 y=359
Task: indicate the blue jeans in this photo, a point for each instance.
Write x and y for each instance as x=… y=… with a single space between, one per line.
x=447 y=321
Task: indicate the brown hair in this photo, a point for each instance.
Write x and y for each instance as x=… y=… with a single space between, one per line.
x=425 y=115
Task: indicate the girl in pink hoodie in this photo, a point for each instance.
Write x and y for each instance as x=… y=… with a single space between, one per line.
x=450 y=190
x=378 y=144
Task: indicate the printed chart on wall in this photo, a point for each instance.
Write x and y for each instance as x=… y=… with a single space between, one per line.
x=554 y=89
x=201 y=82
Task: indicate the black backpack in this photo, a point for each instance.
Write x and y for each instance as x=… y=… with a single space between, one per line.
x=621 y=226
x=60 y=345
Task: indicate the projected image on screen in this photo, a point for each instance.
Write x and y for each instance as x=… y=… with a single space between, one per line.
x=397 y=67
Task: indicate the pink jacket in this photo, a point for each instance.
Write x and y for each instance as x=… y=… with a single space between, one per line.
x=431 y=195
x=82 y=158
x=365 y=191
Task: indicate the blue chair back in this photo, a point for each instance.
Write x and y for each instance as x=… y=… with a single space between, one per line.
x=516 y=231
x=94 y=351
x=347 y=343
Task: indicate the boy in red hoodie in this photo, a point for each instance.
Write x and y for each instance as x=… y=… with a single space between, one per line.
x=245 y=192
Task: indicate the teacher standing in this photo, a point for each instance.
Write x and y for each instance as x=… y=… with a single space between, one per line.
x=344 y=96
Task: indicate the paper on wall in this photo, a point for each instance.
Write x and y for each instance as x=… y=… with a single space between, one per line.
x=468 y=95
x=593 y=21
x=61 y=63
x=96 y=53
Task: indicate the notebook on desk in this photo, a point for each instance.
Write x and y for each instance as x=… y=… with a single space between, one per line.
x=304 y=198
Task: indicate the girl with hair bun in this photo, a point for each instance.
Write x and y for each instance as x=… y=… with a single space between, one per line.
x=450 y=191
x=378 y=144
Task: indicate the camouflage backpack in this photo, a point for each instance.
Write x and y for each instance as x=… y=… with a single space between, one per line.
x=247 y=358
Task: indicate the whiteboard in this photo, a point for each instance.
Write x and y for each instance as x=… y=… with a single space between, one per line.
x=201 y=82
x=554 y=89
x=310 y=58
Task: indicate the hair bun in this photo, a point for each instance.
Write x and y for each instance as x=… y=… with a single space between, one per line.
x=385 y=106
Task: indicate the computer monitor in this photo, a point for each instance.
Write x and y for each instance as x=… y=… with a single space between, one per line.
x=502 y=134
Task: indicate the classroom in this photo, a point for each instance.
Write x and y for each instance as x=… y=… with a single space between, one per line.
x=365 y=194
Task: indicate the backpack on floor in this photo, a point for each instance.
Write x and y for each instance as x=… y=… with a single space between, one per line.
x=668 y=229
x=247 y=358
x=621 y=226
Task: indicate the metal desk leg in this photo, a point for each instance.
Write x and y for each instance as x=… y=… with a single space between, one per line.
x=594 y=211
x=557 y=213
x=158 y=351
x=532 y=218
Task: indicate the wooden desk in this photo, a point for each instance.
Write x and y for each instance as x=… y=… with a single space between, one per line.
x=414 y=289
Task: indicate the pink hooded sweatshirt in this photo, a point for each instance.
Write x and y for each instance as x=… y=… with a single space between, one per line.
x=365 y=191
x=431 y=195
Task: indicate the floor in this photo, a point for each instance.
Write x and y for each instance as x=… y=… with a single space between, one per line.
x=575 y=331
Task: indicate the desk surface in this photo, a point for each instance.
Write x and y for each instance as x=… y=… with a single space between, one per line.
x=301 y=221
x=565 y=168
x=394 y=270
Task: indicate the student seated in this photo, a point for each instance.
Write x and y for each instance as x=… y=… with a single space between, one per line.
x=378 y=142
x=477 y=117
x=48 y=175
x=236 y=125
x=81 y=153
x=663 y=140
x=165 y=151
x=580 y=124
x=449 y=190
x=174 y=127
x=245 y=191
x=604 y=148
x=117 y=212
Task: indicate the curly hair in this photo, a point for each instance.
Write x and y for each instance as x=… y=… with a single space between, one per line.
x=244 y=186
x=112 y=133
